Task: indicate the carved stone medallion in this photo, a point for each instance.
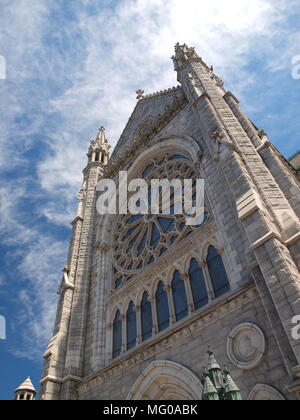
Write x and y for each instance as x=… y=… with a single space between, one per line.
x=246 y=346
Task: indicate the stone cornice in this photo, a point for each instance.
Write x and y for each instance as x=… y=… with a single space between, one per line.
x=77 y=218
x=274 y=235
x=218 y=309
x=293 y=239
x=60 y=380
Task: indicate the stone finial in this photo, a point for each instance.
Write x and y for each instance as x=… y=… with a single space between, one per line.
x=232 y=391
x=217 y=135
x=140 y=94
x=183 y=53
x=66 y=269
x=262 y=134
x=101 y=135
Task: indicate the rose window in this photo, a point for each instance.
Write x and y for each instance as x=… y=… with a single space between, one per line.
x=140 y=240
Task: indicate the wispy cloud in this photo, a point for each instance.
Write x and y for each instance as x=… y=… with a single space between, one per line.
x=35 y=258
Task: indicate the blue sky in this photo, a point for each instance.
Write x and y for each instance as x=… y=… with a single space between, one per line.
x=73 y=66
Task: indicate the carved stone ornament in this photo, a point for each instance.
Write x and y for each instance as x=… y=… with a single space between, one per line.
x=182 y=54
x=246 y=346
x=147 y=129
x=140 y=94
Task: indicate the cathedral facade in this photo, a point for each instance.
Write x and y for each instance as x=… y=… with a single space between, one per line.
x=143 y=296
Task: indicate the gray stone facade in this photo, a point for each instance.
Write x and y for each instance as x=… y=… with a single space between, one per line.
x=253 y=200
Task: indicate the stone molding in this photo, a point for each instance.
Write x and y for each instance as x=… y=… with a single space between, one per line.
x=163 y=378
x=60 y=380
x=147 y=130
x=266 y=393
x=199 y=320
x=161 y=93
x=246 y=346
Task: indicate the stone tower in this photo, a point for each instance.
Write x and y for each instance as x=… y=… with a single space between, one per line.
x=143 y=296
x=25 y=391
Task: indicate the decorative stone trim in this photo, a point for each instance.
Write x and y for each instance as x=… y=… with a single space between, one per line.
x=77 y=218
x=230 y=94
x=181 y=380
x=184 y=248
x=199 y=320
x=294 y=387
x=296 y=371
x=60 y=380
x=162 y=93
x=265 y=238
x=266 y=143
x=293 y=239
x=263 y=392
x=248 y=204
x=148 y=129
x=246 y=346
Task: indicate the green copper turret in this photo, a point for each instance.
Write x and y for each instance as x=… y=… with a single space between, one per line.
x=217 y=383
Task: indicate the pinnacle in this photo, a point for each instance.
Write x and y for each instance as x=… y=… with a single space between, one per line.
x=26 y=385
x=101 y=135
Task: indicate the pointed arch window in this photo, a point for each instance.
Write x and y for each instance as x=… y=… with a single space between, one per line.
x=217 y=272
x=179 y=297
x=162 y=307
x=131 y=326
x=117 y=335
x=146 y=317
x=198 y=286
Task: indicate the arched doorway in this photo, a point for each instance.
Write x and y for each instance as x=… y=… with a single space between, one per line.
x=166 y=380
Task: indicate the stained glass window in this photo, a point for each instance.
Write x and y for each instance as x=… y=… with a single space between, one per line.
x=140 y=240
x=131 y=326
x=146 y=317
x=217 y=272
x=179 y=297
x=198 y=285
x=162 y=307
x=117 y=335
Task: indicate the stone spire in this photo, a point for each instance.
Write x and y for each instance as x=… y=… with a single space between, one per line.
x=215 y=372
x=209 y=391
x=99 y=148
x=26 y=391
x=232 y=391
x=184 y=56
x=183 y=53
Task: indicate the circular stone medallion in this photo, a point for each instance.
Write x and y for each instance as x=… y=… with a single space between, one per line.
x=246 y=346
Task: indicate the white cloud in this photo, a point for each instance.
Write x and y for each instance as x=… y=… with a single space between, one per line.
x=37 y=295
x=39 y=258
